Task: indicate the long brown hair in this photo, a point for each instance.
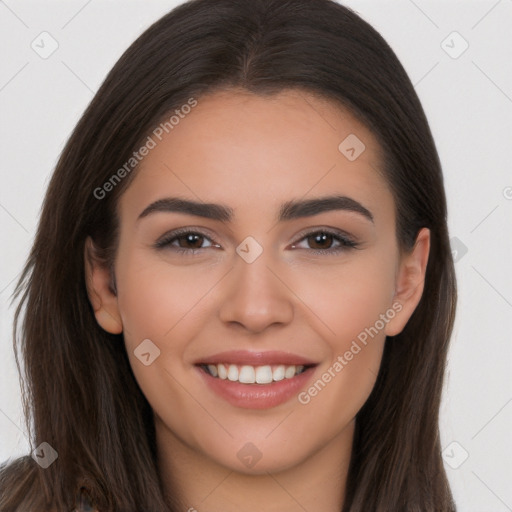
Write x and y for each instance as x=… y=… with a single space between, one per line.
x=79 y=390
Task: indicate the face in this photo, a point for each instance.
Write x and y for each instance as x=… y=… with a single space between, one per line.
x=295 y=277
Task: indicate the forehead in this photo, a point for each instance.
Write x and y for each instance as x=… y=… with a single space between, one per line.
x=253 y=152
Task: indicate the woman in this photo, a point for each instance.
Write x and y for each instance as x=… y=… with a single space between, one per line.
x=241 y=292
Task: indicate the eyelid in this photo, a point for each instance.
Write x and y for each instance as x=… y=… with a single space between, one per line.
x=324 y=229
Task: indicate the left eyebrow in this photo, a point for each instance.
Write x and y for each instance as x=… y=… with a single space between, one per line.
x=290 y=210
x=296 y=209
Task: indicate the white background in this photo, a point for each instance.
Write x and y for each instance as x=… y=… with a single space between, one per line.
x=468 y=101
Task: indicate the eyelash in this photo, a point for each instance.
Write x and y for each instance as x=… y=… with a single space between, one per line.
x=346 y=243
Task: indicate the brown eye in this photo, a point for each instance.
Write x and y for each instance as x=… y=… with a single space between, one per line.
x=324 y=242
x=186 y=242
x=190 y=241
x=320 y=240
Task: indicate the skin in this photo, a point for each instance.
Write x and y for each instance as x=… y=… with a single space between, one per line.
x=252 y=154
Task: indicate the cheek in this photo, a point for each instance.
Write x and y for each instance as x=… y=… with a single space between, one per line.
x=155 y=298
x=341 y=388
x=161 y=303
x=346 y=298
x=351 y=305
x=167 y=305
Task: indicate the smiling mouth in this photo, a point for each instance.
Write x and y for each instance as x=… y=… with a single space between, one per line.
x=247 y=374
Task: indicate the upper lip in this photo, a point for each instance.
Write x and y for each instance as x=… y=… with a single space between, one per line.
x=241 y=357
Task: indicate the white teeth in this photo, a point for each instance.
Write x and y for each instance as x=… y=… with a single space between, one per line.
x=278 y=373
x=263 y=374
x=289 y=372
x=247 y=374
x=233 y=372
x=221 y=369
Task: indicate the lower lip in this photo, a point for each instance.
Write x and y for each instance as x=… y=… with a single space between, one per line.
x=257 y=396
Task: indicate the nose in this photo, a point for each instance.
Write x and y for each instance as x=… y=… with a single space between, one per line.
x=256 y=296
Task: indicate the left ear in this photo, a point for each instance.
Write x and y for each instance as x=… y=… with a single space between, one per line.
x=410 y=282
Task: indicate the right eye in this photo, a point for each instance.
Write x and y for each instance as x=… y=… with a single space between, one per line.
x=185 y=241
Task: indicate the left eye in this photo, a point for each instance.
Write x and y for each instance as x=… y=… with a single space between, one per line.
x=322 y=241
